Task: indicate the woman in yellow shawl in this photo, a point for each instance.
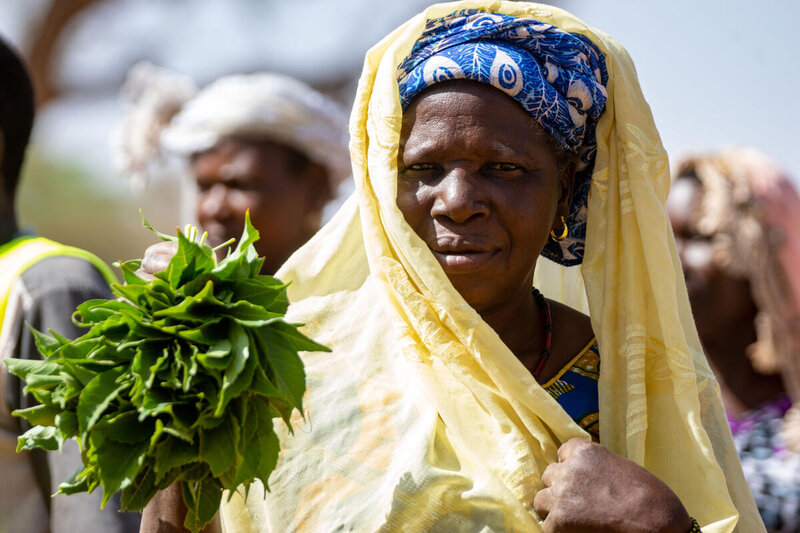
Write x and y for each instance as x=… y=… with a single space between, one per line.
x=483 y=134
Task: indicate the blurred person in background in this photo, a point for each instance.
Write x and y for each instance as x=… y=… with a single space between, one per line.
x=736 y=219
x=41 y=283
x=263 y=142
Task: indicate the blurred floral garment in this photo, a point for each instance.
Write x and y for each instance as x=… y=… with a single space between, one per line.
x=772 y=471
x=421 y=419
x=751 y=211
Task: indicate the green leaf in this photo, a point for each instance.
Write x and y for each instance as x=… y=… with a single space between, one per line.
x=287 y=367
x=194 y=309
x=92 y=312
x=155 y=403
x=67 y=423
x=263 y=291
x=179 y=431
x=202 y=500
x=83 y=373
x=22 y=367
x=172 y=453
x=129 y=274
x=263 y=386
x=193 y=286
x=259 y=448
x=218 y=446
x=178 y=381
x=77 y=482
x=232 y=383
x=39 y=415
x=126 y=428
x=243 y=262
x=160 y=363
x=300 y=342
x=217 y=356
x=163 y=236
x=46 y=344
x=210 y=333
x=45 y=437
x=240 y=352
x=268 y=447
x=250 y=315
x=97 y=396
x=190 y=260
x=117 y=463
x=141 y=491
x=238 y=387
x=135 y=294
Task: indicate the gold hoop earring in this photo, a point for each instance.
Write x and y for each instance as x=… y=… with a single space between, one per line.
x=559 y=238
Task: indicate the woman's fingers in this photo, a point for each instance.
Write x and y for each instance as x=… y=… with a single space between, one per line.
x=566 y=450
x=542 y=502
x=551 y=474
x=156 y=258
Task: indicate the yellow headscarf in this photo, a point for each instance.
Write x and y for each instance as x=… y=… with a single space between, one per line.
x=422 y=419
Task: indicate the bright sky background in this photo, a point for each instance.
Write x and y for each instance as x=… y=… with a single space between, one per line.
x=715 y=72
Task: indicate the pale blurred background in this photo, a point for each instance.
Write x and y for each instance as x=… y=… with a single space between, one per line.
x=715 y=73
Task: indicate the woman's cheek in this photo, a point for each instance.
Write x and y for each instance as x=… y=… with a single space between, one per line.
x=411 y=202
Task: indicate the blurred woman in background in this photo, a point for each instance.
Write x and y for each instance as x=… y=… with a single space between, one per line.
x=736 y=219
x=263 y=142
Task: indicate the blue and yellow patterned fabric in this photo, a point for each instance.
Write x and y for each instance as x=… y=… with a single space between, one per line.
x=558 y=77
x=575 y=389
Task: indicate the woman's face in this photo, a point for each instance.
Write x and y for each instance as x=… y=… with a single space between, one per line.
x=719 y=300
x=479 y=182
x=282 y=192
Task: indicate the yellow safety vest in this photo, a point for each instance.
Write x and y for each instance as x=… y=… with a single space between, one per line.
x=23 y=252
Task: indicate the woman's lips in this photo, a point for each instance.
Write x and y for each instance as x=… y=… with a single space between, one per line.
x=460 y=261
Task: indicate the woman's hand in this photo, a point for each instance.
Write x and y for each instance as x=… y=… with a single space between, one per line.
x=591 y=489
x=156 y=258
x=166 y=512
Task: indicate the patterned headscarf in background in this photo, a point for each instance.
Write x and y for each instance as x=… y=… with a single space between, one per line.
x=558 y=77
x=751 y=210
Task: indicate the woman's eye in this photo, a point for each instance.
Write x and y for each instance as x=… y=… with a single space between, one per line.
x=504 y=167
x=419 y=171
x=420 y=167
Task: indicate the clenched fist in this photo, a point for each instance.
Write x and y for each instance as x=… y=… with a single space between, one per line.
x=591 y=489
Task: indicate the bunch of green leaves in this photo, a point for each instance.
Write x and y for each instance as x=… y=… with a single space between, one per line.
x=178 y=380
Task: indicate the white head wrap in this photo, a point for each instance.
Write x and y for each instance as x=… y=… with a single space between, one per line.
x=169 y=114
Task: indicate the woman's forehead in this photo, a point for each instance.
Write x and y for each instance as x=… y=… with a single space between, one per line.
x=467 y=104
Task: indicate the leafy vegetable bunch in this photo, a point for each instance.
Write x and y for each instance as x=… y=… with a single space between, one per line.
x=178 y=380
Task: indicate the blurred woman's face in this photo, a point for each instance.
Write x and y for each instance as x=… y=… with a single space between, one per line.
x=283 y=192
x=719 y=300
x=479 y=182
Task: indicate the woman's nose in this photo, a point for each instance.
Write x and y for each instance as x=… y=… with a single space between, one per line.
x=459 y=196
x=213 y=202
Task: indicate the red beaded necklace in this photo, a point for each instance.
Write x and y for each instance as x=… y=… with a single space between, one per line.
x=544 y=305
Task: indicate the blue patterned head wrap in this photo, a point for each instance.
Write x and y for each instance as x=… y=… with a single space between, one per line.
x=558 y=77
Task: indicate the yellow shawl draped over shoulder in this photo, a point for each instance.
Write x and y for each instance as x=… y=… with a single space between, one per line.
x=421 y=419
